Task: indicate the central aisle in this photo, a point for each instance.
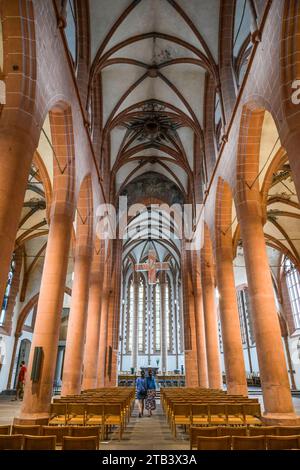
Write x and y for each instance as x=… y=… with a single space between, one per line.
x=147 y=434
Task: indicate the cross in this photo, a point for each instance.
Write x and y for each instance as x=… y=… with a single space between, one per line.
x=152 y=266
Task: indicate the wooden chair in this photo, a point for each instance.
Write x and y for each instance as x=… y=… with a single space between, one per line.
x=262 y=430
x=113 y=417
x=217 y=414
x=181 y=415
x=85 y=431
x=235 y=415
x=76 y=414
x=231 y=431
x=287 y=431
x=80 y=443
x=58 y=414
x=196 y=432
x=199 y=414
x=58 y=431
x=214 y=443
x=282 y=442
x=34 y=430
x=95 y=416
x=39 y=443
x=252 y=414
x=5 y=430
x=14 y=442
x=248 y=443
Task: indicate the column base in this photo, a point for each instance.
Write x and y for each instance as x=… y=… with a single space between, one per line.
x=31 y=419
x=280 y=419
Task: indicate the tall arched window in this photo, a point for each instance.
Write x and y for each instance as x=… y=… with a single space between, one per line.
x=141 y=317
x=70 y=30
x=218 y=121
x=167 y=310
x=7 y=291
x=242 y=44
x=293 y=284
x=129 y=322
x=246 y=325
x=157 y=316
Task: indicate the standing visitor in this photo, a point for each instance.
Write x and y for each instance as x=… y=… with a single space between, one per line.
x=141 y=388
x=151 y=393
x=21 y=381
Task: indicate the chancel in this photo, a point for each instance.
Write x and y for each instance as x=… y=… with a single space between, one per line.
x=149 y=221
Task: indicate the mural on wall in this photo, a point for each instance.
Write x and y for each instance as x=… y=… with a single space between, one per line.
x=153 y=185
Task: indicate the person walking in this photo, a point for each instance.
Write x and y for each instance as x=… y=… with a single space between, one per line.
x=141 y=389
x=150 y=403
x=21 y=381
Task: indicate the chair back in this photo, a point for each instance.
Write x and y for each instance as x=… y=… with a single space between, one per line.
x=248 y=443
x=39 y=443
x=58 y=431
x=95 y=409
x=85 y=431
x=235 y=409
x=112 y=409
x=252 y=409
x=231 y=431
x=182 y=409
x=262 y=430
x=196 y=432
x=58 y=409
x=288 y=431
x=80 y=443
x=282 y=442
x=198 y=409
x=34 y=430
x=217 y=409
x=14 y=442
x=5 y=430
x=214 y=443
x=77 y=409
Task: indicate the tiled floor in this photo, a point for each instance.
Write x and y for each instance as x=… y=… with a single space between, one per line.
x=142 y=433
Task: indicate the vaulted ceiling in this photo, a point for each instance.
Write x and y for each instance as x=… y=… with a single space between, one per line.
x=151 y=59
x=151 y=64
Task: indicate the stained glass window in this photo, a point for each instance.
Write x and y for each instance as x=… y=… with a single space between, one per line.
x=7 y=291
x=293 y=284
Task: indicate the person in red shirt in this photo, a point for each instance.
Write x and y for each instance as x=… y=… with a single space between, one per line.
x=21 y=381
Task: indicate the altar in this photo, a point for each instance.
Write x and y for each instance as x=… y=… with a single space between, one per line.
x=147 y=368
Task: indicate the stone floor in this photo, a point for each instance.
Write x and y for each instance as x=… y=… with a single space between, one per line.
x=148 y=433
x=142 y=433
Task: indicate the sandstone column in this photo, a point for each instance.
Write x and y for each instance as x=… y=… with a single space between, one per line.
x=16 y=153
x=272 y=364
x=199 y=323
x=190 y=353
x=200 y=340
x=73 y=364
x=91 y=352
x=211 y=324
x=37 y=395
x=188 y=308
x=229 y=315
x=103 y=336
